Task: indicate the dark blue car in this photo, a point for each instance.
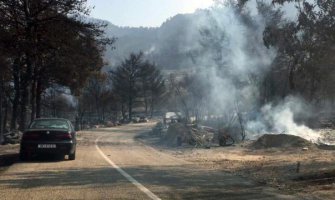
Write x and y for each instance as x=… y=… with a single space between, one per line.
x=49 y=136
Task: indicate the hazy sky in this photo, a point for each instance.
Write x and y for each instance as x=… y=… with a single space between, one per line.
x=143 y=12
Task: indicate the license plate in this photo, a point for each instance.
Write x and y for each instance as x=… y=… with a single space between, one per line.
x=46 y=146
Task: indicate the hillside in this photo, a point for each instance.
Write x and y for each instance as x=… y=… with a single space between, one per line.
x=165 y=45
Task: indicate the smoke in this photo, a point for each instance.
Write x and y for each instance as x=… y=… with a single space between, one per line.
x=230 y=53
x=150 y=50
x=232 y=57
x=281 y=118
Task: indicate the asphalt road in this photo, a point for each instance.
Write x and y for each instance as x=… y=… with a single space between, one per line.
x=111 y=164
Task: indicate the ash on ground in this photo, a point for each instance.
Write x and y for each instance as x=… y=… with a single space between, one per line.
x=281 y=141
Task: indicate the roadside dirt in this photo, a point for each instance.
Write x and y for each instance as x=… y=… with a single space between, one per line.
x=308 y=173
x=9 y=154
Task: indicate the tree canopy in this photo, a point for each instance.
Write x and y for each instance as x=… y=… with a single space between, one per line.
x=136 y=78
x=48 y=42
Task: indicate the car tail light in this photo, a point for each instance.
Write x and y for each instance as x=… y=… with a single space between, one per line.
x=64 y=136
x=30 y=136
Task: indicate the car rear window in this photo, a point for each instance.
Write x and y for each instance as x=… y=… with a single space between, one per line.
x=49 y=124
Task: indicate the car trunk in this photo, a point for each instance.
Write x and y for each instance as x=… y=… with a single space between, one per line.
x=47 y=135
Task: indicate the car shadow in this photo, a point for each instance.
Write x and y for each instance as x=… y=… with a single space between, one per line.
x=45 y=158
x=8 y=159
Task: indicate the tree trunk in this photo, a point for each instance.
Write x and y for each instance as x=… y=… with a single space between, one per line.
x=130 y=108
x=291 y=79
x=30 y=66
x=24 y=107
x=5 y=117
x=151 y=109
x=145 y=101
x=33 y=101
x=81 y=116
x=123 y=112
x=146 y=106
x=53 y=104
x=152 y=103
x=38 y=98
x=291 y=75
x=1 y=110
x=313 y=88
x=17 y=94
x=103 y=113
x=25 y=88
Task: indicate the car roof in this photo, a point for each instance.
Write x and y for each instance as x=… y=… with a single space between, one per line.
x=51 y=119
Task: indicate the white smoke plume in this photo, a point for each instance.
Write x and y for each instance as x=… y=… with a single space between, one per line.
x=281 y=119
x=150 y=50
x=238 y=53
x=236 y=56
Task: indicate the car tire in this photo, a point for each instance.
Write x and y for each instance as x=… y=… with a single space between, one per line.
x=23 y=156
x=72 y=156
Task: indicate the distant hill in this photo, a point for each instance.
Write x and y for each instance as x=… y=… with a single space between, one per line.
x=168 y=46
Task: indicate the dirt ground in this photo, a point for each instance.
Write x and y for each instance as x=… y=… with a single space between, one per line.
x=307 y=173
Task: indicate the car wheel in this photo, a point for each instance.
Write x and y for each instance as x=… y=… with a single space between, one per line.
x=72 y=156
x=23 y=156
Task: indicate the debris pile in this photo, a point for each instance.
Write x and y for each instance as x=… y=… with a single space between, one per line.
x=281 y=141
x=159 y=129
x=179 y=134
x=201 y=137
x=110 y=124
x=176 y=134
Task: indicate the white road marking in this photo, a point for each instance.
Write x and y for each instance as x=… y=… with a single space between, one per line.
x=126 y=175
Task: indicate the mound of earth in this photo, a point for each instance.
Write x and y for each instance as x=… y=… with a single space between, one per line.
x=281 y=141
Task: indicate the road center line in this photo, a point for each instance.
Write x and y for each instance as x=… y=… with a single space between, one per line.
x=126 y=175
